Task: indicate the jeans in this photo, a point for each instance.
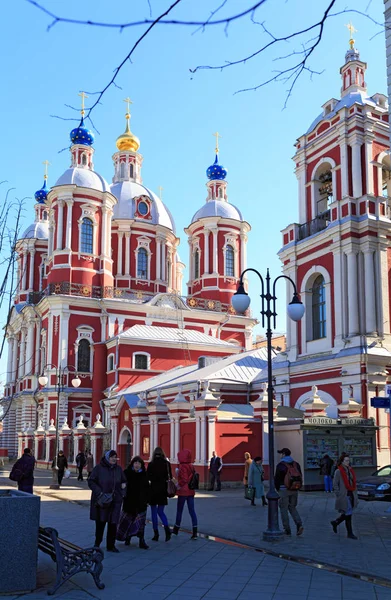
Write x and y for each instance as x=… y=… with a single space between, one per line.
x=155 y=511
x=111 y=533
x=288 y=502
x=190 y=506
x=214 y=477
x=328 y=483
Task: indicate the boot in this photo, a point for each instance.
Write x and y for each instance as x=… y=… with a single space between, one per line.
x=194 y=536
x=142 y=543
x=168 y=533
x=127 y=541
x=252 y=502
x=156 y=536
x=334 y=524
x=175 y=530
x=349 y=528
x=264 y=503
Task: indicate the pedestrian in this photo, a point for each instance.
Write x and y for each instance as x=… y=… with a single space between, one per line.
x=346 y=494
x=326 y=467
x=23 y=472
x=215 y=466
x=134 y=508
x=80 y=464
x=255 y=480
x=247 y=464
x=90 y=464
x=107 y=483
x=159 y=472
x=62 y=464
x=185 y=495
x=288 y=480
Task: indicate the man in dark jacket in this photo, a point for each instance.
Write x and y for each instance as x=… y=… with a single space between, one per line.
x=80 y=463
x=62 y=464
x=215 y=466
x=326 y=466
x=23 y=472
x=288 y=496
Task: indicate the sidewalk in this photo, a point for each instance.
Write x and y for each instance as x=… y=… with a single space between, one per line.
x=228 y=515
x=183 y=568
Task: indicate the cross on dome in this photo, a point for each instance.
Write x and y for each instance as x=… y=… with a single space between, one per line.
x=352 y=30
x=83 y=96
x=127 y=141
x=217 y=136
x=81 y=134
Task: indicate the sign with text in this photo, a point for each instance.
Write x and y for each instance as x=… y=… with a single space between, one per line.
x=380 y=402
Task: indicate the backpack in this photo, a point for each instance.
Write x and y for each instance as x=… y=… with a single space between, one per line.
x=194 y=482
x=293 y=479
x=16 y=474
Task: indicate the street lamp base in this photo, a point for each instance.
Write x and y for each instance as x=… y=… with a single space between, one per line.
x=54 y=486
x=272 y=536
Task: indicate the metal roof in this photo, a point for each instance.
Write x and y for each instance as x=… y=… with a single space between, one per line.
x=172 y=334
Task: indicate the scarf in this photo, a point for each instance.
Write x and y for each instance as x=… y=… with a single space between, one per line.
x=107 y=456
x=349 y=478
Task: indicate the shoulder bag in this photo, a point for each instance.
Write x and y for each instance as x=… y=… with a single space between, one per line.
x=194 y=482
x=171 y=487
x=106 y=499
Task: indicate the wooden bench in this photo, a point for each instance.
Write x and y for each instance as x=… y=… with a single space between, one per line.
x=70 y=559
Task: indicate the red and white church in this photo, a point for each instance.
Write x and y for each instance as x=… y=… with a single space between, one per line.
x=100 y=290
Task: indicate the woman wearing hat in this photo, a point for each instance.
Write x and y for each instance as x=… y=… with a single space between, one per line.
x=108 y=484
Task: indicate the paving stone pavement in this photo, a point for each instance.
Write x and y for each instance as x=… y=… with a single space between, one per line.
x=183 y=568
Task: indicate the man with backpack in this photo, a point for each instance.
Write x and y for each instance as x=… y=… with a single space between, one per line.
x=288 y=480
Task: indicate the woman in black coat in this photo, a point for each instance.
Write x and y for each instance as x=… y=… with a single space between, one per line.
x=159 y=472
x=107 y=478
x=134 y=508
x=23 y=471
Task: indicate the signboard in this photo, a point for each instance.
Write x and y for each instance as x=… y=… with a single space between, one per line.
x=357 y=421
x=344 y=422
x=321 y=421
x=380 y=402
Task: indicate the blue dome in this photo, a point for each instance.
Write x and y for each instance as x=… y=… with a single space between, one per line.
x=41 y=194
x=82 y=135
x=216 y=171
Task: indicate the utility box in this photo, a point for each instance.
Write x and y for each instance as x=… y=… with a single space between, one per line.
x=18 y=541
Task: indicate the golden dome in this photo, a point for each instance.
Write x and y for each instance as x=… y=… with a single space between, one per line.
x=128 y=141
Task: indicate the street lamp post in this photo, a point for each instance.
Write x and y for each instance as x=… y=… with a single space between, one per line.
x=241 y=302
x=43 y=380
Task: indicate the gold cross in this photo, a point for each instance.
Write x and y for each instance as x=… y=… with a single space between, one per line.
x=83 y=96
x=46 y=163
x=217 y=136
x=128 y=102
x=160 y=191
x=352 y=30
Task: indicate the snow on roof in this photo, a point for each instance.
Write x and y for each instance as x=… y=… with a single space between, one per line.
x=172 y=334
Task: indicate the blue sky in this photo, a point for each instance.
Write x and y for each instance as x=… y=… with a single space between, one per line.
x=175 y=113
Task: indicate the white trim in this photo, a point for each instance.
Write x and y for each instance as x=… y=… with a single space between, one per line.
x=88 y=211
x=331 y=410
x=109 y=357
x=308 y=344
x=143 y=354
x=123 y=430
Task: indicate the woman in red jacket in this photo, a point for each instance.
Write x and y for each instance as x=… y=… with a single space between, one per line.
x=185 y=472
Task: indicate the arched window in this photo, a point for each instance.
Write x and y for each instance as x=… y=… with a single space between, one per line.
x=325 y=197
x=87 y=236
x=122 y=170
x=84 y=160
x=318 y=309
x=110 y=362
x=131 y=170
x=229 y=261
x=142 y=264
x=45 y=215
x=84 y=356
x=196 y=264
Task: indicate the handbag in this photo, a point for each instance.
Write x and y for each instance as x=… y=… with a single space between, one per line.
x=194 y=482
x=171 y=486
x=67 y=474
x=249 y=492
x=105 y=500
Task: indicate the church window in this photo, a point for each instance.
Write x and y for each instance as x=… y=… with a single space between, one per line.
x=229 y=261
x=86 y=240
x=318 y=308
x=196 y=264
x=141 y=361
x=84 y=160
x=142 y=264
x=45 y=215
x=131 y=170
x=143 y=208
x=110 y=362
x=325 y=192
x=122 y=170
x=84 y=356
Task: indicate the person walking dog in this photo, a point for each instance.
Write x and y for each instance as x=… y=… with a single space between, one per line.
x=134 y=508
x=159 y=472
x=345 y=489
x=288 y=480
x=255 y=480
x=185 y=492
x=107 y=483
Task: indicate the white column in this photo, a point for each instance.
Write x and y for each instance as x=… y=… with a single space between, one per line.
x=31 y=272
x=75 y=446
x=114 y=432
x=15 y=360
x=119 y=254
x=22 y=353
x=127 y=253
x=177 y=437
x=369 y=167
x=36 y=442
x=163 y=261
x=37 y=365
x=339 y=296
x=109 y=214
x=10 y=357
x=60 y=217
x=356 y=169
x=379 y=181
x=63 y=345
x=103 y=243
x=344 y=169
x=30 y=349
x=68 y=232
x=158 y=258
x=24 y=270
x=103 y=322
x=198 y=438
x=51 y=238
x=203 y=439
x=61 y=442
x=215 y=251
x=352 y=293
x=243 y=252
x=206 y=251
x=136 y=435
x=369 y=292
x=211 y=433
x=300 y=174
x=47 y=448
x=172 y=438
